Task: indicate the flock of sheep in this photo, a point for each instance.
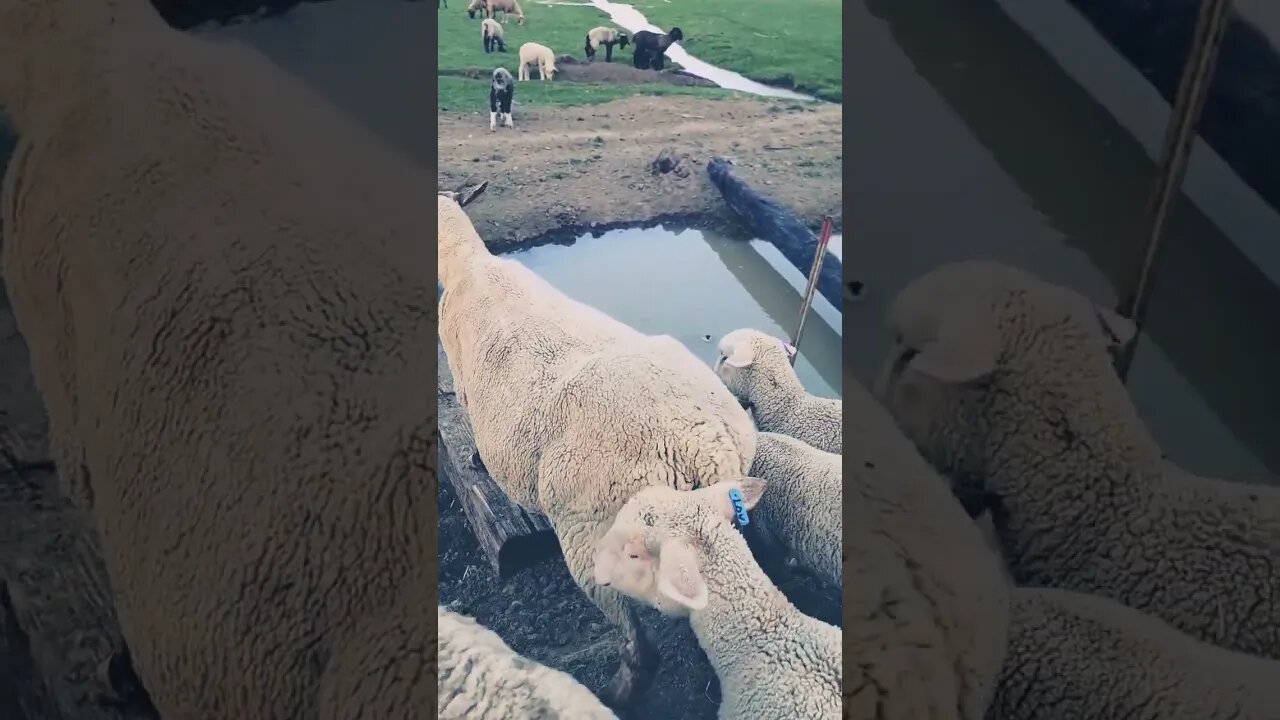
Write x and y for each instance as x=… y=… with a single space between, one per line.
x=650 y=49
x=1018 y=547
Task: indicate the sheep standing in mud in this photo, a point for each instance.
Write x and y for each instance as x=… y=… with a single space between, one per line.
x=534 y=54
x=502 y=90
x=606 y=36
x=229 y=343
x=651 y=48
x=1006 y=383
x=491 y=36
x=572 y=411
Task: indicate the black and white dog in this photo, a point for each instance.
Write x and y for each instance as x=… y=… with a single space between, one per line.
x=502 y=89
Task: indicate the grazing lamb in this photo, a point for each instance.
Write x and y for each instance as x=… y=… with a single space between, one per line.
x=1073 y=655
x=491 y=36
x=534 y=54
x=676 y=550
x=606 y=36
x=1006 y=382
x=757 y=369
x=481 y=678
x=229 y=342
x=802 y=510
x=573 y=411
x=490 y=8
x=650 y=47
x=502 y=90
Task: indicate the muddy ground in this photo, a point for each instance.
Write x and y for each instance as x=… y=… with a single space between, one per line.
x=583 y=167
x=618 y=72
x=543 y=615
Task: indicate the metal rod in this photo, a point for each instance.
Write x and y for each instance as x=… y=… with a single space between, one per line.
x=1180 y=135
x=806 y=301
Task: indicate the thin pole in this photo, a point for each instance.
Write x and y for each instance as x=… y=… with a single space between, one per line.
x=1179 y=137
x=807 y=300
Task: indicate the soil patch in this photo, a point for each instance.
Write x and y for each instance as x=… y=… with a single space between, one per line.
x=569 y=69
x=589 y=166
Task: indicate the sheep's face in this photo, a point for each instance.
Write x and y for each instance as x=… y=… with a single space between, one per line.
x=750 y=363
x=622 y=40
x=651 y=551
x=676 y=34
x=977 y=347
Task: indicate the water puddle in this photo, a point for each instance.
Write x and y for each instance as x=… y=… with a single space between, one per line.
x=634 y=21
x=691 y=284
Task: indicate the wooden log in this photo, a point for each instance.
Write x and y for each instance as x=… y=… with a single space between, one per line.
x=775 y=224
x=511 y=536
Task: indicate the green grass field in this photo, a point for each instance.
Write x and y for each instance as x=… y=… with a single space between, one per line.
x=761 y=39
x=812 y=61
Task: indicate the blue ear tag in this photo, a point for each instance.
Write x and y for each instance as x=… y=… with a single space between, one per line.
x=735 y=497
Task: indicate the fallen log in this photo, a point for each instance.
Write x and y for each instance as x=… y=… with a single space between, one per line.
x=775 y=224
x=511 y=536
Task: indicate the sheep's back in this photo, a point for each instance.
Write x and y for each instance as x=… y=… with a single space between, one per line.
x=235 y=337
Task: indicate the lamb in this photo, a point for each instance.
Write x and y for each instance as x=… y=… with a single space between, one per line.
x=676 y=551
x=802 y=510
x=606 y=36
x=532 y=53
x=230 y=345
x=491 y=36
x=502 y=90
x=481 y=678
x=490 y=8
x=1084 y=656
x=757 y=369
x=1005 y=381
x=573 y=411
x=650 y=47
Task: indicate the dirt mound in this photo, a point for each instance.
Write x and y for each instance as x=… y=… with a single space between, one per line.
x=569 y=69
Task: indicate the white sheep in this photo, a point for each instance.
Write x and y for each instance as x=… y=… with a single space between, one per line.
x=677 y=551
x=230 y=344
x=604 y=36
x=532 y=53
x=491 y=36
x=481 y=678
x=490 y=8
x=1073 y=655
x=1006 y=382
x=802 y=510
x=573 y=411
x=757 y=368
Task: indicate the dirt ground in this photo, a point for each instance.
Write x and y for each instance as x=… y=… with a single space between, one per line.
x=584 y=167
x=542 y=614
x=618 y=72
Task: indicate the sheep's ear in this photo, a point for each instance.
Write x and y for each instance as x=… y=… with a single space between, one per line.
x=1120 y=330
x=964 y=348
x=741 y=356
x=606 y=562
x=679 y=577
x=752 y=490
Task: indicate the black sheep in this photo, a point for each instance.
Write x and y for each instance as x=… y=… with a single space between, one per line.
x=650 y=47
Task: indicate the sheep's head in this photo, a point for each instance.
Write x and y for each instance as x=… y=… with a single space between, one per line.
x=651 y=552
x=622 y=40
x=473 y=7
x=978 y=347
x=752 y=364
x=676 y=34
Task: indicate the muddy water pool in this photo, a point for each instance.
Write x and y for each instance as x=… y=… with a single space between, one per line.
x=693 y=284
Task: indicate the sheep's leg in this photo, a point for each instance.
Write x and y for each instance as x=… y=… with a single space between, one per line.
x=608 y=52
x=657 y=61
x=638 y=657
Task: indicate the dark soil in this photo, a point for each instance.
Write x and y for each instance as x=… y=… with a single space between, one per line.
x=569 y=69
x=542 y=614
